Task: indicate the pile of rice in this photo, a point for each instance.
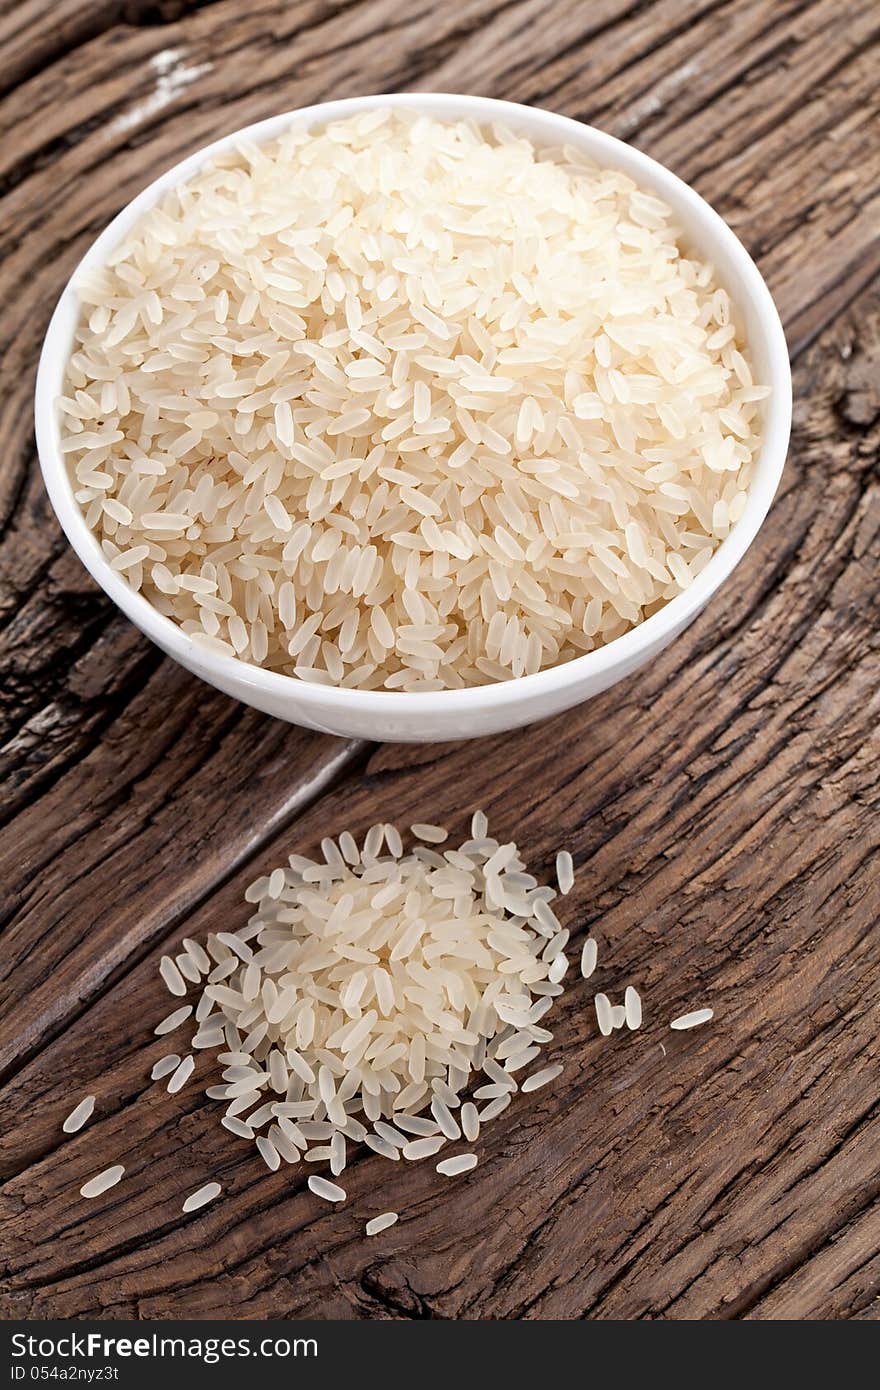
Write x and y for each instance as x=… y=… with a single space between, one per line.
x=367 y=993
x=380 y=995
x=407 y=405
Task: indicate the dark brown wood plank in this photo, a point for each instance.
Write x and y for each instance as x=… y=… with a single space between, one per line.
x=33 y=34
x=840 y=1281
x=719 y=807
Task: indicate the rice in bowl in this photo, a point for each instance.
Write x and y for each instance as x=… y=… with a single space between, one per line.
x=398 y=404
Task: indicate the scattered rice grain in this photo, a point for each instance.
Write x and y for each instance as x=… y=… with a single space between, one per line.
x=102 y=1181
x=380 y=1223
x=693 y=1019
x=632 y=1004
x=461 y=1163
x=329 y=1191
x=78 y=1115
x=202 y=1196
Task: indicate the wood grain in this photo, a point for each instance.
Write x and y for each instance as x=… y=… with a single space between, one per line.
x=721 y=806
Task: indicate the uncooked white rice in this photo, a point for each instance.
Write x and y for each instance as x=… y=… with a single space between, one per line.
x=589 y=956
x=392 y=1135
x=618 y=1015
x=181 y=1074
x=494 y=1109
x=418 y=1125
x=406 y=405
x=368 y=991
x=693 y=1019
x=337 y=1153
x=541 y=1078
x=197 y=954
x=632 y=1004
x=202 y=1196
x=564 y=871
x=268 y=1152
x=188 y=968
x=102 y=1181
x=604 y=1014
x=237 y=1126
x=558 y=968
x=381 y=1223
x=287 y=1150
x=498 y=1074
x=330 y=1191
x=470 y=1121
x=174 y=981
x=431 y=834
x=78 y=1115
x=424 y=1148
x=174 y=1020
x=382 y=1146
x=462 y=1163
x=445 y=1119
x=165 y=1066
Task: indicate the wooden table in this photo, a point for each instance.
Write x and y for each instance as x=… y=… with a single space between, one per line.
x=721 y=806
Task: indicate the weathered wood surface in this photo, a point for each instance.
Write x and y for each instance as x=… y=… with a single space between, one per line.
x=721 y=807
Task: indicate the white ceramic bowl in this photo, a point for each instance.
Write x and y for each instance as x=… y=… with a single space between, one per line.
x=453 y=714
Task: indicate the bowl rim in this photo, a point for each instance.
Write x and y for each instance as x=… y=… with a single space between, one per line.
x=594 y=667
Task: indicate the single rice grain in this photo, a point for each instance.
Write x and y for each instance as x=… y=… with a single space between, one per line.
x=102 y=1181
x=173 y=1020
x=423 y=1148
x=692 y=1020
x=470 y=1121
x=541 y=1078
x=172 y=977
x=181 y=1074
x=329 y=1191
x=381 y=1223
x=202 y=1196
x=78 y=1115
x=462 y=1163
x=165 y=1066
x=564 y=871
x=632 y=1004
x=589 y=956
x=604 y=1014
